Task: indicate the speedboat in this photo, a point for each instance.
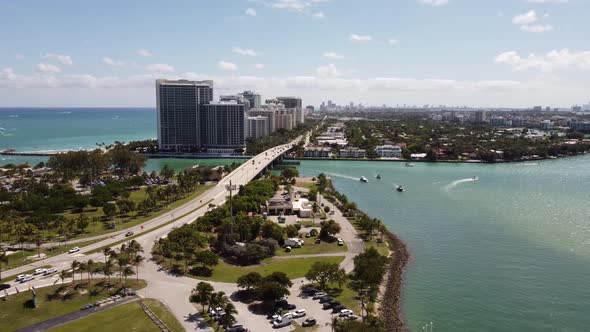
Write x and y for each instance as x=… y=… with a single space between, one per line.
x=363 y=179
x=409 y=165
x=399 y=188
x=378 y=177
x=475 y=178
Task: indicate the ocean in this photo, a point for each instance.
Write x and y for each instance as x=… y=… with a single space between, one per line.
x=509 y=252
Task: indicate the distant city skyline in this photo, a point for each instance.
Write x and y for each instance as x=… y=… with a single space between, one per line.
x=504 y=53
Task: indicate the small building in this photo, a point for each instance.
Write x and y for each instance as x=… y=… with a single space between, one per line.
x=388 y=151
x=351 y=152
x=317 y=152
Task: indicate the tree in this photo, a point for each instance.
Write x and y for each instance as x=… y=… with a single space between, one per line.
x=74 y=266
x=3 y=260
x=206 y=258
x=166 y=172
x=329 y=229
x=90 y=269
x=218 y=299
x=202 y=294
x=289 y=173
x=63 y=275
x=127 y=271
x=125 y=206
x=250 y=280
x=107 y=269
x=137 y=259
x=82 y=222
x=229 y=318
x=324 y=273
x=280 y=278
x=109 y=210
x=269 y=292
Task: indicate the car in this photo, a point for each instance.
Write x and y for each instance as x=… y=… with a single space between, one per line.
x=287 y=249
x=73 y=250
x=309 y=322
x=289 y=306
x=281 y=323
x=319 y=295
x=317 y=241
x=39 y=271
x=299 y=313
x=338 y=308
x=4 y=286
x=49 y=271
x=352 y=317
x=20 y=277
x=26 y=278
x=236 y=328
x=331 y=304
x=310 y=291
x=128 y=234
x=288 y=315
x=325 y=299
x=340 y=242
x=346 y=312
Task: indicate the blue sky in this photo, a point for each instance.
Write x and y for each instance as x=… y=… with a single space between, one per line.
x=513 y=53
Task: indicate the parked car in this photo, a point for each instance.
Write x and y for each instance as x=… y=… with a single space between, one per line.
x=128 y=234
x=299 y=313
x=346 y=312
x=282 y=323
x=236 y=328
x=27 y=278
x=309 y=322
x=4 y=286
x=340 y=242
x=330 y=305
x=49 y=271
x=338 y=308
x=325 y=299
x=287 y=249
x=73 y=250
x=319 y=295
x=318 y=241
x=39 y=271
x=309 y=291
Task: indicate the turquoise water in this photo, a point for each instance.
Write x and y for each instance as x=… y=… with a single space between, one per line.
x=43 y=129
x=510 y=252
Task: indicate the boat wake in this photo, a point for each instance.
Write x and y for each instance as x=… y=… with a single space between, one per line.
x=456 y=183
x=344 y=176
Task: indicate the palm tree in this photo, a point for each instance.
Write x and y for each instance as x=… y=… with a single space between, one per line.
x=82 y=267
x=230 y=311
x=106 y=252
x=122 y=262
x=75 y=265
x=63 y=275
x=218 y=299
x=3 y=260
x=107 y=269
x=127 y=271
x=90 y=269
x=136 y=261
x=202 y=294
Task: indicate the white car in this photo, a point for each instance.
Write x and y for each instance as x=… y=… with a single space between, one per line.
x=20 y=277
x=340 y=242
x=39 y=271
x=299 y=313
x=28 y=277
x=73 y=250
x=49 y=271
x=346 y=313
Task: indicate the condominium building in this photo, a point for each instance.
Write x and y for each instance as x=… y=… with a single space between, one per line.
x=388 y=151
x=178 y=105
x=237 y=98
x=253 y=98
x=270 y=114
x=285 y=119
x=256 y=126
x=351 y=152
x=223 y=126
x=290 y=102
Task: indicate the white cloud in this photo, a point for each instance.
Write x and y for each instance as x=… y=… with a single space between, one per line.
x=144 y=53
x=526 y=18
x=537 y=28
x=242 y=51
x=19 y=56
x=360 y=38
x=160 y=68
x=227 y=66
x=329 y=70
x=299 y=6
x=393 y=41
x=332 y=56
x=553 y=60
x=434 y=3
x=250 y=12
x=258 y=65
x=64 y=59
x=318 y=15
x=111 y=62
x=47 y=68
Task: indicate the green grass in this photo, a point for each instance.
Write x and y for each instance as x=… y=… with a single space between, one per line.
x=164 y=314
x=97 y=228
x=129 y=317
x=382 y=248
x=16 y=312
x=306 y=185
x=294 y=268
x=143 y=233
x=310 y=248
x=346 y=296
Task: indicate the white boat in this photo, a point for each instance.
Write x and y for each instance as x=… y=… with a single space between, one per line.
x=399 y=188
x=363 y=179
x=409 y=165
x=475 y=178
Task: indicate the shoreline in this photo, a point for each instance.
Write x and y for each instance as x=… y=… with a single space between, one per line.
x=390 y=299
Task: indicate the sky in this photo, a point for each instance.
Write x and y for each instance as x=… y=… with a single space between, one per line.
x=478 y=53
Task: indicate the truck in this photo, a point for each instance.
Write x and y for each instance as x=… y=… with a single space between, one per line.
x=293 y=243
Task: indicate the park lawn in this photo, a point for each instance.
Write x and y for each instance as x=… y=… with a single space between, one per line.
x=164 y=314
x=382 y=248
x=128 y=317
x=306 y=185
x=294 y=268
x=346 y=296
x=16 y=312
x=97 y=228
x=310 y=248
